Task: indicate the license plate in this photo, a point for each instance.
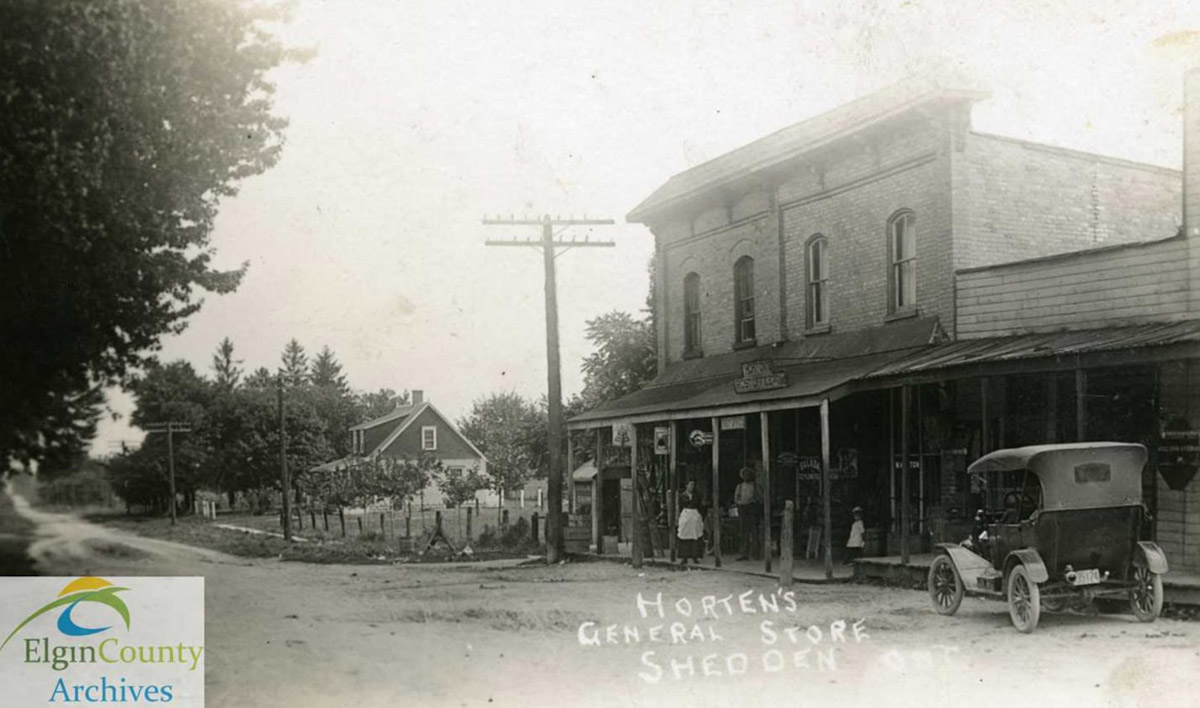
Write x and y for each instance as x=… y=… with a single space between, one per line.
x=1086 y=577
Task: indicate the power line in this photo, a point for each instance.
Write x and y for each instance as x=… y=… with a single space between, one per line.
x=170 y=428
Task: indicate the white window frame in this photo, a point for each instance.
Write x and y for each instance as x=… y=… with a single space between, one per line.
x=428 y=429
x=818 y=280
x=902 y=255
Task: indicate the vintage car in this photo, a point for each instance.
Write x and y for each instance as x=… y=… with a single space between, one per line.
x=1060 y=522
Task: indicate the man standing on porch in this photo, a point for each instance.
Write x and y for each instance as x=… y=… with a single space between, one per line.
x=748 y=499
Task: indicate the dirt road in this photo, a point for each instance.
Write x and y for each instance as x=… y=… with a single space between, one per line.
x=287 y=634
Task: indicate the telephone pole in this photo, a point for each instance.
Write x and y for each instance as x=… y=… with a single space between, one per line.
x=551 y=246
x=285 y=478
x=170 y=428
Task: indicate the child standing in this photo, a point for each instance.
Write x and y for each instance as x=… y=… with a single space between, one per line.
x=854 y=545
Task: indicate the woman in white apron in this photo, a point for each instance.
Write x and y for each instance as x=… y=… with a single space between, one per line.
x=691 y=525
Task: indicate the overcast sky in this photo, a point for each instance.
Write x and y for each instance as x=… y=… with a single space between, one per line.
x=415 y=119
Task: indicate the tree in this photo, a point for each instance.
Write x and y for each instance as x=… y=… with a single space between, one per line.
x=295 y=364
x=625 y=357
x=334 y=401
x=327 y=372
x=402 y=478
x=225 y=368
x=125 y=124
x=500 y=426
x=459 y=487
x=261 y=379
x=379 y=403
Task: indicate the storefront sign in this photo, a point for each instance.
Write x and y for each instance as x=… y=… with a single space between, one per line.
x=662 y=440
x=809 y=469
x=789 y=459
x=1178 y=454
x=622 y=434
x=699 y=438
x=737 y=422
x=759 y=376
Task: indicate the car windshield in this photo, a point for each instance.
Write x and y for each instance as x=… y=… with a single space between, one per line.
x=1013 y=495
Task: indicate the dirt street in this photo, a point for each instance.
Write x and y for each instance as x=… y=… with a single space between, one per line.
x=288 y=634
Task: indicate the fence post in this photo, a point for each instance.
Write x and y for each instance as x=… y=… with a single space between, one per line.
x=408 y=525
x=534 y=529
x=312 y=516
x=382 y=529
x=325 y=518
x=785 y=544
x=299 y=519
x=468 y=524
x=342 y=520
x=504 y=517
x=522 y=498
x=360 y=531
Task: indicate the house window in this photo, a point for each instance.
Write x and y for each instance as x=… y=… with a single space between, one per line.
x=743 y=290
x=902 y=251
x=691 y=314
x=817 y=275
x=428 y=437
x=356 y=438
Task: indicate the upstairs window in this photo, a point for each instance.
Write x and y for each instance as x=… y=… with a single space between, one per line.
x=743 y=293
x=817 y=275
x=691 y=314
x=428 y=437
x=902 y=253
x=357 y=440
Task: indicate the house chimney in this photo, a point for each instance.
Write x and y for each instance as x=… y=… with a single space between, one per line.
x=418 y=396
x=1191 y=184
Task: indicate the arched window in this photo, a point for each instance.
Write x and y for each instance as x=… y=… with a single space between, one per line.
x=902 y=255
x=817 y=277
x=691 y=314
x=743 y=300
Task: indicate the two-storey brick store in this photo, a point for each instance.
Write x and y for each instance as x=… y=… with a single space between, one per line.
x=858 y=306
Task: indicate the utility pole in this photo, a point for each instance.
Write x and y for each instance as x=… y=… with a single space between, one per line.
x=170 y=428
x=285 y=478
x=550 y=246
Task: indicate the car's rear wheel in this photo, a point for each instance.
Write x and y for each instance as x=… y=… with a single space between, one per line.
x=1024 y=600
x=1146 y=600
x=945 y=586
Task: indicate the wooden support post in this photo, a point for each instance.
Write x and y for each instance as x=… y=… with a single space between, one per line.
x=469 y=510
x=716 y=490
x=504 y=518
x=533 y=527
x=360 y=528
x=522 y=498
x=299 y=519
x=826 y=492
x=382 y=529
x=408 y=523
x=312 y=517
x=891 y=459
x=635 y=545
x=1051 y=435
x=598 y=495
x=766 y=492
x=985 y=413
x=785 y=543
x=905 y=524
x=569 y=473
x=342 y=520
x=1081 y=405
x=673 y=491
x=325 y=518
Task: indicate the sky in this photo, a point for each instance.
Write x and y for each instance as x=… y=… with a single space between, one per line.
x=417 y=119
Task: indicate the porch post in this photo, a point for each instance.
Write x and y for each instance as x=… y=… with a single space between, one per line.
x=1080 y=405
x=716 y=490
x=905 y=512
x=766 y=455
x=985 y=445
x=570 y=472
x=673 y=488
x=826 y=493
x=892 y=458
x=635 y=546
x=597 y=494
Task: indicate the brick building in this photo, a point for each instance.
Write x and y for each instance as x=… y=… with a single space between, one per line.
x=812 y=282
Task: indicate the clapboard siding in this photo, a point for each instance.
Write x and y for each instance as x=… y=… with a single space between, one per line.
x=1114 y=286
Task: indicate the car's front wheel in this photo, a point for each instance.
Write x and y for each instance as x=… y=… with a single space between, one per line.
x=945 y=586
x=1146 y=599
x=1024 y=600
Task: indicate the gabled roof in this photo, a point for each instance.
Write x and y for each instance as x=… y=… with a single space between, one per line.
x=397 y=414
x=391 y=438
x=795 y=140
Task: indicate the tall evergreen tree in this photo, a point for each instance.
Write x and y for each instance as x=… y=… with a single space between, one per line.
x=326 y=372
x=295 y=364
x=225 y=368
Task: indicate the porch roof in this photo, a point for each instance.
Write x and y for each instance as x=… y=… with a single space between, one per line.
x=815 y=367
x=1025 y=347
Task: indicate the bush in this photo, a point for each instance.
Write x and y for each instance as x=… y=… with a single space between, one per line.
x=515 y=536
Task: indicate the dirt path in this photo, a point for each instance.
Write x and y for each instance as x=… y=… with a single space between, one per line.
x=288 y=634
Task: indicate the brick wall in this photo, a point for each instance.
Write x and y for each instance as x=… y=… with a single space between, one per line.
x=1128 y=284
x=1021 y=200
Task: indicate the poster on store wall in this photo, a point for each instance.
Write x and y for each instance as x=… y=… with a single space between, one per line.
x=662 y=440
x=622 y=434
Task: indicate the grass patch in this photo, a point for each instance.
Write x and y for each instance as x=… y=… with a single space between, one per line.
x=318 y=548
